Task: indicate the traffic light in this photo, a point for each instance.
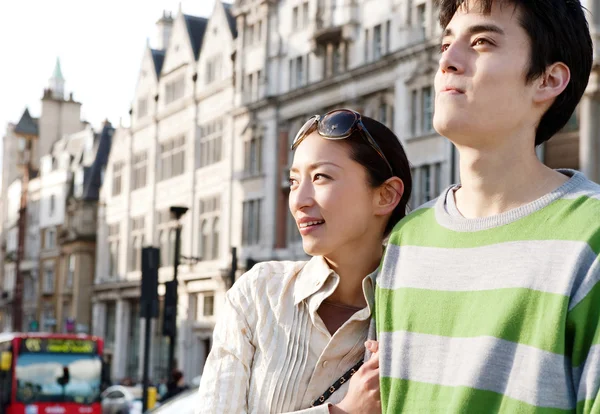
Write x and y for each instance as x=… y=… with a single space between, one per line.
x=170 y=311
x=149 y=288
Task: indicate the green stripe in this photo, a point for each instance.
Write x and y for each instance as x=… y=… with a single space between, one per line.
x=519 y=315
x=589 y=406
x=557 y=221
x=417 y=397
x=583 y=324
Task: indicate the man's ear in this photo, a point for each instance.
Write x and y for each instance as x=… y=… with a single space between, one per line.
x=552 y=82
x=388 y=196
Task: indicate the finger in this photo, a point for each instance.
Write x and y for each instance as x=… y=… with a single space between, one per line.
x=373 y=346
x=372 y=363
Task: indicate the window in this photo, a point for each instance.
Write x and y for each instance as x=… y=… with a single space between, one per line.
x=305 y=14
x=428 y=181
x=258 y=31
x=50 y=239
x=49 y=279
x=140 y=163
x=137 y=242
x=366 y=45
x=427 y=110
x=251 y=222
x=113 y=249
x=117 y=177
x=142 y=107
x=299 y=71
x=377 y=52
x=52 y=205
x=295 y=18
x=253 y=156
x=215 y=239
x=337 y=60
x=213 y=69
x=386 y=115
x=249 y=35
x=388 y=33
x=175 y=89
x=208 y=305
x=421 y=18
x=172 y=156
x=414 y=106
x=166 y=238
x=211 y=143
x=209 y=209
x=70 y=271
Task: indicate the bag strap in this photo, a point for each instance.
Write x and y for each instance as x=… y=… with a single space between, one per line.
x=336 y=385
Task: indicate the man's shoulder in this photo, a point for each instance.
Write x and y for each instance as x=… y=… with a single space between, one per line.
x=580 y=207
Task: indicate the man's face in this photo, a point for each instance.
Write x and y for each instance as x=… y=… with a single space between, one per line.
x=482 y=98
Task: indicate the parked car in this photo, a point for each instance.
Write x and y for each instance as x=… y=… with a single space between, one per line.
x=119 y=399
x=183 y=403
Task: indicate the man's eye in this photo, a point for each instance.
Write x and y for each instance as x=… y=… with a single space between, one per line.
x=444 y=47
x=481 y=42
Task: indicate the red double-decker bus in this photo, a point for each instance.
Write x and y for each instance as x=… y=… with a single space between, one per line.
x=50 y=373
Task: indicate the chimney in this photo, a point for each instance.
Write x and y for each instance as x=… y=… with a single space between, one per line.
x=164 y=26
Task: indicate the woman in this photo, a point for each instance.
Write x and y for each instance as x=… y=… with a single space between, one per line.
x=290 y=330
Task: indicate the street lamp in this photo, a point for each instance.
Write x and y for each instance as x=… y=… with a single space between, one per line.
x=171 y=294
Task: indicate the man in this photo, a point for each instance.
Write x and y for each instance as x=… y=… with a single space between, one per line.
x=488 y=298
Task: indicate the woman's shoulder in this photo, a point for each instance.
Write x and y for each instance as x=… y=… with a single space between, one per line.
x=265 y=277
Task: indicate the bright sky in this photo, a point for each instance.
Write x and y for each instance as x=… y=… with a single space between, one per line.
x=100 y=45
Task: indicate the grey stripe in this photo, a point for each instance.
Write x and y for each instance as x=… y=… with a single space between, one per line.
x=499 y=266
x=590 y=279
x=587 y=377
x=518 y=371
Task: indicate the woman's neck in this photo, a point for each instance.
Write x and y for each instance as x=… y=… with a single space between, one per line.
x=352 y=267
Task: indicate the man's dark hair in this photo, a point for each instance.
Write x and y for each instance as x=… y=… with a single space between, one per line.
x=558 y=32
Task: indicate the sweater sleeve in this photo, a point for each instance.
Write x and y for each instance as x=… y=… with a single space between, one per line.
x=583 y=342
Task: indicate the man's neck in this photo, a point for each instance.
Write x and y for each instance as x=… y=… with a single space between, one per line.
x=501 y=179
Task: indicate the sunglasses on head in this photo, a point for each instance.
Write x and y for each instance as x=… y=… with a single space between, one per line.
x=338 y=124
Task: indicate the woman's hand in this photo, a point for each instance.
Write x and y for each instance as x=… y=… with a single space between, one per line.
x=363 y=392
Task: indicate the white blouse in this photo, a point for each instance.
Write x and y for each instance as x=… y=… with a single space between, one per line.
x=271 y=351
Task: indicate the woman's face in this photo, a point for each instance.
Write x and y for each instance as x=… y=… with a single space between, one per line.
x=330 y=198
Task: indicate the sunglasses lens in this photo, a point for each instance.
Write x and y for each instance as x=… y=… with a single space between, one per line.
x=337 y=124
x=303 y=131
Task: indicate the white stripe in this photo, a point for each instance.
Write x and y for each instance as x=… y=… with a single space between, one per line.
x=542 y=265
x=588 y=376
x=518 y=371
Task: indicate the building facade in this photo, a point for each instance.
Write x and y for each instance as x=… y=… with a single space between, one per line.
x=52 y=170
x=217 y=104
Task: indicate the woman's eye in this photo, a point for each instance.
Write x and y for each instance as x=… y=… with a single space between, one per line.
x=293 y=182
x=320 y=176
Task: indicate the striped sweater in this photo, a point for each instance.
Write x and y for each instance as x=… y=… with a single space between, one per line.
x=499 y=314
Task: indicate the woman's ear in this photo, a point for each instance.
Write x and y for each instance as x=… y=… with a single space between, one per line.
x=388 y=196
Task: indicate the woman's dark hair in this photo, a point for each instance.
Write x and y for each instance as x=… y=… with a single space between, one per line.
x=558 y=32
x=378 y=172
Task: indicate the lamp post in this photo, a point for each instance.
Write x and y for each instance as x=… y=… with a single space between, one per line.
x=176 y=213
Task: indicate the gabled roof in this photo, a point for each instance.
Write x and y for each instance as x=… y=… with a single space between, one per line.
x=230 y=19
x=93 y=176
x=158 y=57
x=196 y=27
x=27 y=125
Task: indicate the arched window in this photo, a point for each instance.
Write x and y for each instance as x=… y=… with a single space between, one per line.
x=215 y=239
x=205 y=240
